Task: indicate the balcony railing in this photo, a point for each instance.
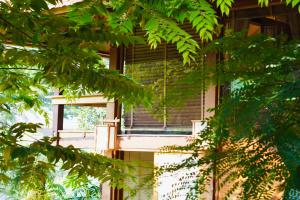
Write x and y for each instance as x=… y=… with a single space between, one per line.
x=77 y=138
x=105 y=138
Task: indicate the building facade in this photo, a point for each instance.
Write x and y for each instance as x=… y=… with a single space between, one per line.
x=136 y=133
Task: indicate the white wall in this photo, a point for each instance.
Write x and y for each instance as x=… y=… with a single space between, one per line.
x=146 y=159
x=173 y=185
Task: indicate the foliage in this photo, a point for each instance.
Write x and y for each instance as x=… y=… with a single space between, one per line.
x=251 y=145
x=39 y=47
x=19 y=91
x=159 y=19
x=56 y=189
x=30 y=165
x=58 y=54
x=65 y=46
x=87 y=117
x=62 y=57
x=90 y=117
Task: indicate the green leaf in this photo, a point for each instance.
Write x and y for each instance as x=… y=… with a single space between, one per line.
x=6 y=154
x=295 y=2
x=39 y=5
x=128 y=24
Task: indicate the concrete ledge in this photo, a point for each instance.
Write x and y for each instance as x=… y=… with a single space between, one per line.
x=150 y=143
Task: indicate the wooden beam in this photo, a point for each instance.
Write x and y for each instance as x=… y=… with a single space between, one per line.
x=257 y=12
x=61 y=8
x=116 y=62
x=246 y=4
x=97 y=100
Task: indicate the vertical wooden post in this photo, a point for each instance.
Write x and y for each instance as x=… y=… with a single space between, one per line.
x=118 y=194
x=58 y=118
x=116 y=62
x=218 y=99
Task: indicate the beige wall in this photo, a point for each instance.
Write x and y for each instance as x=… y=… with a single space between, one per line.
x=144 y=169
x=163 y=188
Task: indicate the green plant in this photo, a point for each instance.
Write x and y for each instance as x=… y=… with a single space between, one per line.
x=87 y=117
x=63 y=53
x=251 y=145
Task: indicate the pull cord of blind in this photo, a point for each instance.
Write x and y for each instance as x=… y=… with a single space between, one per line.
x=165 y=85
x=131 y=109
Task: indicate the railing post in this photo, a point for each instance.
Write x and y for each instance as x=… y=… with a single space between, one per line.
x=58 y=118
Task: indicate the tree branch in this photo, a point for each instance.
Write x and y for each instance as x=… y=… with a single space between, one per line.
x=21 y=31
x=14 y=68
x=18 y=29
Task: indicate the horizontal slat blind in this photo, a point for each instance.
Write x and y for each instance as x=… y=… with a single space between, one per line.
x=148 y=66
